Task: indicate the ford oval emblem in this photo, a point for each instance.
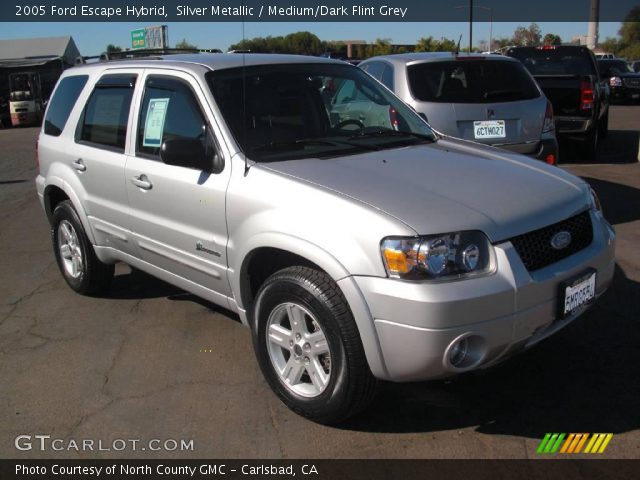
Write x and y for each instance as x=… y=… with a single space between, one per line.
x=561 y=240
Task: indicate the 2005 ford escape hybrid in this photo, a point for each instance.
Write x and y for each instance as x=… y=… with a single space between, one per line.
x=356 y=248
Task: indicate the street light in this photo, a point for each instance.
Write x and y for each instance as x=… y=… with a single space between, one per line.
x=471 y=6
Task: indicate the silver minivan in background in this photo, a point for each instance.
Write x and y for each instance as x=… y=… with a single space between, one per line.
x=488 y=99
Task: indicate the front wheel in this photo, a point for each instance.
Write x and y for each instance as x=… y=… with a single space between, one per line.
x=308 y=346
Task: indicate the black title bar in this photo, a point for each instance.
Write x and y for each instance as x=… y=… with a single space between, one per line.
x=160 y=11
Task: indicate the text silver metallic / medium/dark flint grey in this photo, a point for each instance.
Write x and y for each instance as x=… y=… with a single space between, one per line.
x=355 y=247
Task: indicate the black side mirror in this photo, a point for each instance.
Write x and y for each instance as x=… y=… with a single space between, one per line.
x=185 y=152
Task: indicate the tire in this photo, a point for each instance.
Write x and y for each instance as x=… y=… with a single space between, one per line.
x=77 y=261
x=313 y=301
x=604 y=125
x=589 y=148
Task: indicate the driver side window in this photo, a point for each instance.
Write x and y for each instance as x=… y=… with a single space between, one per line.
x=169 y=110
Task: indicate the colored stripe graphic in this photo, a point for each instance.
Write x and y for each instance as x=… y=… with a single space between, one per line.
x=552 y=443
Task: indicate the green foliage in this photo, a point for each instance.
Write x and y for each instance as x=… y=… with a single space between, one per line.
x=429 y=44
x=184 y=44
x=527 y=36
x=552 y=39
x=111 y=48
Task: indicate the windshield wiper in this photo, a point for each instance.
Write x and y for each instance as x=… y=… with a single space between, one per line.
x=310 y=141
x=391 y=133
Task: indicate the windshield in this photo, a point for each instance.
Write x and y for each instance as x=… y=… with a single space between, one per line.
x=321 y=110
x=471 y=81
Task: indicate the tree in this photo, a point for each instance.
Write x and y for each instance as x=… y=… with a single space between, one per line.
x=111 y=48
x=185 y=45
x=630 y=35
x=552 y=39
x=382 y=46
x=429 y=44
x=530 y=36
x=611 y=45
x=303 y=43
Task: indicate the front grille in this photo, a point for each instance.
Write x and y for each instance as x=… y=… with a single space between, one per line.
x=535 y=248
x=632 y=82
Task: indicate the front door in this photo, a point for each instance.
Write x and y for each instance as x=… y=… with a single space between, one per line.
x=177 y=212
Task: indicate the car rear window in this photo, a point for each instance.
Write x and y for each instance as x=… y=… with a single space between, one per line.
x=471 y=81
x=555 y=61
x=62 y=103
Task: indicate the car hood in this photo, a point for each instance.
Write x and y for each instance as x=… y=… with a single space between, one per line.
x=450 y=186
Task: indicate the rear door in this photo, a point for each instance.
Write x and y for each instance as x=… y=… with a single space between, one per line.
x=98 y=157
x=177 y=212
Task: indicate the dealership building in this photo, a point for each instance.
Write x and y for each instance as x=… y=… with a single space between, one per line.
x=43 y=58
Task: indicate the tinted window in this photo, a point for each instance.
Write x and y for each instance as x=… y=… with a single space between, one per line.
x=471 y=81
x=610 y=68
x=106 y=115
x=387 y=77
x=62 y=103
x=375 y=69
x=169 y=110
x=560 y=61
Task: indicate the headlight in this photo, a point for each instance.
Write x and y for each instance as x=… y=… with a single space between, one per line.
x=448 y=256
x=595 y=201
x=615 y=81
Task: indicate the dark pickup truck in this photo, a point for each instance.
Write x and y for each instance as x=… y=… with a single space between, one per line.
x=569 y=77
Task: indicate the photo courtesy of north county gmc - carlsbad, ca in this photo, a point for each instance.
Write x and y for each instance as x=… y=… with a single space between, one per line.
x=291 y=241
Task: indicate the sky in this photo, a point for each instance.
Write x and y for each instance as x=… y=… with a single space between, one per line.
x=92 y=38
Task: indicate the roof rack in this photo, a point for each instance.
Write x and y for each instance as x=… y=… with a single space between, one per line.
x=147 y=53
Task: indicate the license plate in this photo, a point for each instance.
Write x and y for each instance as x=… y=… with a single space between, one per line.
x=577 y=292
x=489 y=129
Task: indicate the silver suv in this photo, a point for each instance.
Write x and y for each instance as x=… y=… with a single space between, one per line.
x=354 y=252
x=488 y=99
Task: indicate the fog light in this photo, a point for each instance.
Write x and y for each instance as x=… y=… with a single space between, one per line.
x=465 y=352
x=458 y=352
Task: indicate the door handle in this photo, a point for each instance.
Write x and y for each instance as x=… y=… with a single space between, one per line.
x=141 y=181
x=79 y=165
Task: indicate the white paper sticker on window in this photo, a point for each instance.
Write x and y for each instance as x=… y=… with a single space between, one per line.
x=154 y=126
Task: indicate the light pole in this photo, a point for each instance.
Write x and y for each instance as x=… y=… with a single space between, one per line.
x=471 y=6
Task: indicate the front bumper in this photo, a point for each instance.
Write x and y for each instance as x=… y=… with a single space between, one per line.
x=625 y=94
x=513 y=309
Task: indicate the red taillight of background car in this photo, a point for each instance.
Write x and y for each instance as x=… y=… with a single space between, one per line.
x=587 y=96
x=548 y=125
x=393 y=118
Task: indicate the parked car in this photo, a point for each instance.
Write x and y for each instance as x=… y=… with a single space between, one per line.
x=623 y=81
x=353 y=250
x=569 y=77
x=600 y=56
x=488 y=99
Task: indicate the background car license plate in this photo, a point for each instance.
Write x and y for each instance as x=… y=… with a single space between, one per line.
x=577 y=292
x=489 y=129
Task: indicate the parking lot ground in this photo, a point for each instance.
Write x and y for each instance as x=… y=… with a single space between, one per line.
x=152 y=362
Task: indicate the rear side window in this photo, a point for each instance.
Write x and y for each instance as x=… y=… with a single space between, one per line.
x=471 y=81
x=169 y=110
x=555 y=61
x=105 y=118
x=62 y=103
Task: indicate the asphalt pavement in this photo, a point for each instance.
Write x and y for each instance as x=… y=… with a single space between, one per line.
x=150 y=362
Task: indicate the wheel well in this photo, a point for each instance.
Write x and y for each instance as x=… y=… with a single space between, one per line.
x=52 y=197
x=261 y=264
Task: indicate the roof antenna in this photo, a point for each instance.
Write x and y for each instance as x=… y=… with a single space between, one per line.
x=244 y=99
x=458 y=46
